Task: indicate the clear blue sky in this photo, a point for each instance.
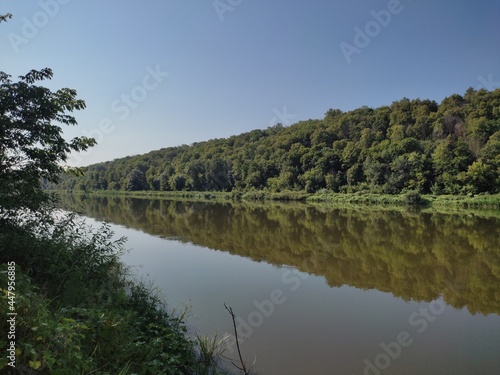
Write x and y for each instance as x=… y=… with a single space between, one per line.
x=243 y=66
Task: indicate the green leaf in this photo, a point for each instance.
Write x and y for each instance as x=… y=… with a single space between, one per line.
x=35 y=364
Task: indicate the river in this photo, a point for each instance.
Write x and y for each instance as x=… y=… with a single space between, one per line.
x=322 y=290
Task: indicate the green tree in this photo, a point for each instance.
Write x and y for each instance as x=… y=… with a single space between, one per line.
x=195 y=172
x=136 y=181
x=32 y=147
x=219 y=175
x=178 y=182
x=481 y=177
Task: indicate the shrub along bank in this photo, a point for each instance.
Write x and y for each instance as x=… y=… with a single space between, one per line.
x=409 y=198
x=78 y=309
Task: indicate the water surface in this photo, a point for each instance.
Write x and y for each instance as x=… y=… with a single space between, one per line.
x=322 y=290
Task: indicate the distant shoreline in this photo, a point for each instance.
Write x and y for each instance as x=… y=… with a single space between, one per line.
x=481 y=201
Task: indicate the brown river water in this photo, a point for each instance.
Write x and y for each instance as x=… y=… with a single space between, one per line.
x=323 y=290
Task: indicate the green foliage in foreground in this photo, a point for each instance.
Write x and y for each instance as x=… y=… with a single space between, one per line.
x=412 y=145
x=78 y=310
x=32 y=146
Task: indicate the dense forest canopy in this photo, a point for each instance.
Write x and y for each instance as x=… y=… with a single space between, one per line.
x=447 y=148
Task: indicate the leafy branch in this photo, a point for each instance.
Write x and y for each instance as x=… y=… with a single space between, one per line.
x=5 y=17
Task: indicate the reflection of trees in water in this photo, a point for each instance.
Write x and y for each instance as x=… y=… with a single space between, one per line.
x=413 y=256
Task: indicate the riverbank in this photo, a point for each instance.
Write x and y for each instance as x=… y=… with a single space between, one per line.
x=481 y=201
x=78 y=310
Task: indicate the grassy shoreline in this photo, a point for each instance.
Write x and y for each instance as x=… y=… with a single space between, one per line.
x=482 y=201
x=81 y=311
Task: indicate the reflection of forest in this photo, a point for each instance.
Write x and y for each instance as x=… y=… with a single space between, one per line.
x=413 y=256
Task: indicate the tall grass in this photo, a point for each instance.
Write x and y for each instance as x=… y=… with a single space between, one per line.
x=411 y=198
x=79 y=309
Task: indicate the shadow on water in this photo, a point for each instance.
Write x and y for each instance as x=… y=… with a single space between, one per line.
x=413 y=255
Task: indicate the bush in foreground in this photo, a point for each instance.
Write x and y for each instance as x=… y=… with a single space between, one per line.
x=80 y=312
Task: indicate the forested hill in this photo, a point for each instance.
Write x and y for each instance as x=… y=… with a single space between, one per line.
x=452 y=147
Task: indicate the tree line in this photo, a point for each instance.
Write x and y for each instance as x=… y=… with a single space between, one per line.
x=412 y=145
